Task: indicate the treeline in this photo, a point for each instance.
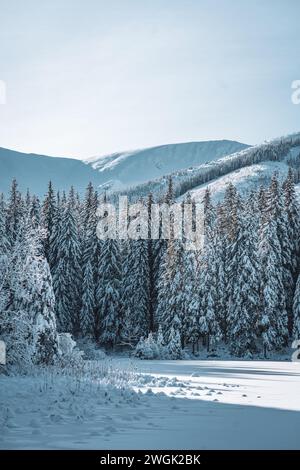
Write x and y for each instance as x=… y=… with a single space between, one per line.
x=241 y=288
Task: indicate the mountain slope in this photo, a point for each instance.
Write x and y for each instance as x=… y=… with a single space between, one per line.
x=115 y=171
x=253 y=164
x=35 y=171
x=122 y=170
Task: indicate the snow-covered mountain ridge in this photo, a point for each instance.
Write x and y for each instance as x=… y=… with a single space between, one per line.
x=125 y=169
x=114 y=171
x=246 y=168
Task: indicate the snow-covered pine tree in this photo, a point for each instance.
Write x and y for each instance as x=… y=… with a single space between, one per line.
x=87 y=313
x=208 y=322
x=170 y=298
x=227 y=227
x=221 y=255
x=296 y=311
x=35 y=211
x=41 y=310
x=135 y=291
x=245 y=300
x=174 y=348
x=30 y=307
x=90 y=250
x=48 y=218
x=4 y=241
x=158 y=249
x=108 y=293
x=190 y=287
x=275 y=209
x=231 y=204
x=67 y=274
x=152 y=245
x=291 y=207
x=15 y=212
x=89 y=205
x=273 y=315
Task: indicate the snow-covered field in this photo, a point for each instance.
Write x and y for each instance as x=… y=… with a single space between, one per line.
x=157 y=405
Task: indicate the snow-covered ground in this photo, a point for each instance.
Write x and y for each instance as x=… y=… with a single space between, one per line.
x=173 y=405
x=244 y=179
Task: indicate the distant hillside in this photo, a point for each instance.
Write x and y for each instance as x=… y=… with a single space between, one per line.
x=112 y=172
x=122 y=170
x=35 y=171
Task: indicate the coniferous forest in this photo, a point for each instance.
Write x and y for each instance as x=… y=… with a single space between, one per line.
x=149 y=296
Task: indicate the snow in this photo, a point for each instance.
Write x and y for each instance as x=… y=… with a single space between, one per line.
x=245 y=179
x=118 y=170
x=165 y=405
x=125 y=169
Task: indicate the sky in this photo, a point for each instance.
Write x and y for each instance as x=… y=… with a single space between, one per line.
x=90 y=77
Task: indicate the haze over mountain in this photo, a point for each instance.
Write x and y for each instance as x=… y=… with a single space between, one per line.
x=116 y=171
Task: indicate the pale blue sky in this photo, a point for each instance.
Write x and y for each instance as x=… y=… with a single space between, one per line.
x=88 y=77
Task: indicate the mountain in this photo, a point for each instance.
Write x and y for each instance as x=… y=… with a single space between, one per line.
x=249 y=178
x=247 y=169
x=120 y=170
x=34 y=172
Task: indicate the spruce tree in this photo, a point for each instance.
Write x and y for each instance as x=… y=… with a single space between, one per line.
x=108 y=293
x=87 y=318
x=48 y=217
x=245 y=301
x=67 y=274
x=296 y=312
x=15 y=212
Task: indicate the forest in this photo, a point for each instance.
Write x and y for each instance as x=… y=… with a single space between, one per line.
x=151 y=297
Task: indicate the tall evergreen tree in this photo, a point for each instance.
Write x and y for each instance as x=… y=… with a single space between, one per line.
x=48 y=218
x=108 y=293
x=245 y=301
x=15 y=212
x=67 y=271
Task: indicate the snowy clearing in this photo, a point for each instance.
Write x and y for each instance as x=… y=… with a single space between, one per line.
x=175 y=405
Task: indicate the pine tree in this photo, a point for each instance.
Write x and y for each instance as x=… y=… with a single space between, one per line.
x=273 y=315
x=135 y=291
x=90 y=251
x=34 y=212
x=170 y=298
x=48 y=218
x=15 y=212
x=245 y=301
x=208 y=322
x=87 y=312
x=296 y=311
x=275 y=209
x=151 y=245
x=293 y=227
x=67 y=273
x=30 y=309
x=4 y=241
x=108 y=293
x=174 y=349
